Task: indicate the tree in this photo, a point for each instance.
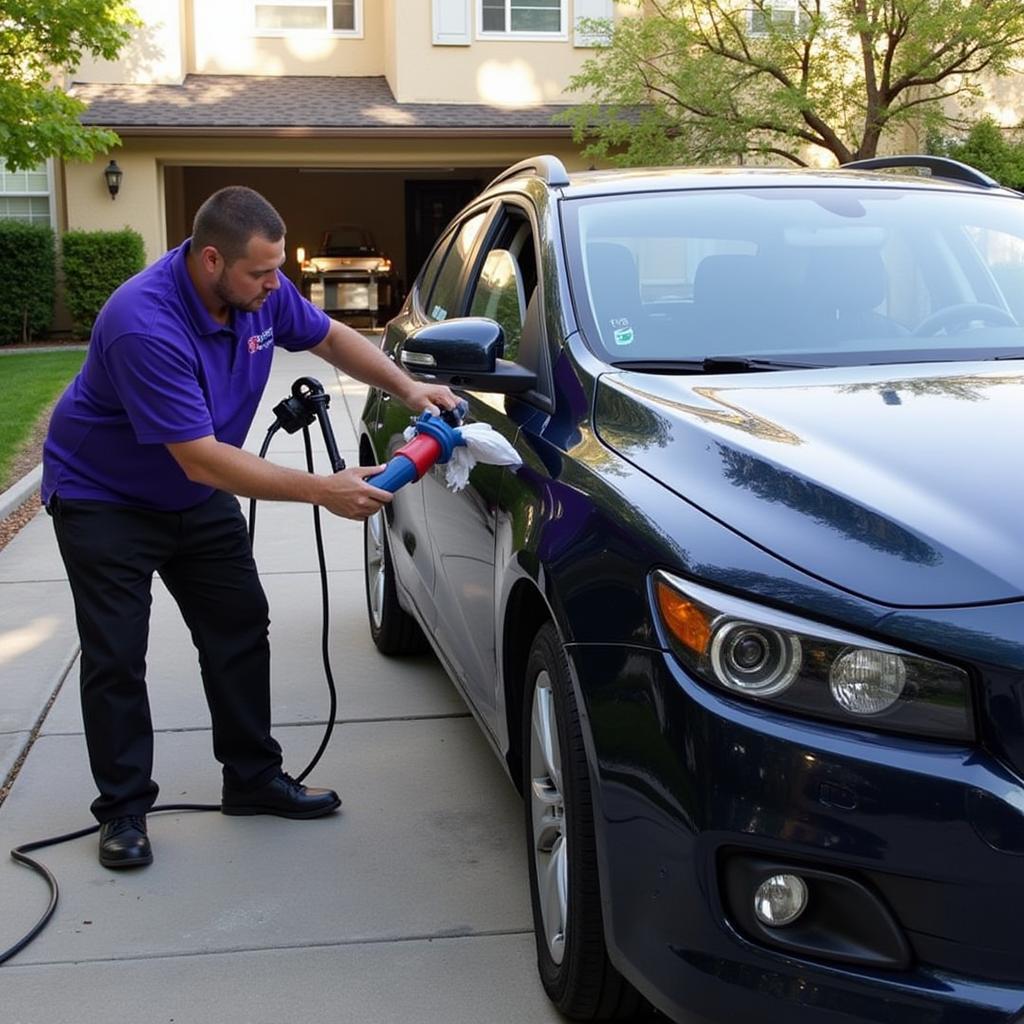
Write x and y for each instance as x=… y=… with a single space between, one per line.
x=702 y=81
x=40 y=41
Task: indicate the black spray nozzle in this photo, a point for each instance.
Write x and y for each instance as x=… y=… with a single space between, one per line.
x=454 y=417
x=307 y=402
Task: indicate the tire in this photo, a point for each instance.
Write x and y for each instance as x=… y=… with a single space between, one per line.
x=561 y=849
x=393 y=629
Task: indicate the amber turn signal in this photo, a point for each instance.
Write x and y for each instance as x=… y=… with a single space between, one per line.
x=689 y=623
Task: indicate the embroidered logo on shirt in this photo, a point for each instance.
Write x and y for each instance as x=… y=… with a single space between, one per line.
x=261 y=341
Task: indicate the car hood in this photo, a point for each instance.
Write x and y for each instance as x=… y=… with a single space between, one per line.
x=902 y=484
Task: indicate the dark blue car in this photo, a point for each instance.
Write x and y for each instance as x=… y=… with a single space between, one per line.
x=747 y=624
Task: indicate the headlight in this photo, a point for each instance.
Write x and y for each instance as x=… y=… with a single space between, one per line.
x=795 y=665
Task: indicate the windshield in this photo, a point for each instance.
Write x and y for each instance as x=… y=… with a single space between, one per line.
x=815 y=275
x=344 y=240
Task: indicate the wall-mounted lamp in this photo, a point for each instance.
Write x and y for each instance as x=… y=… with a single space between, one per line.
x=300 y=255
x=113 y=175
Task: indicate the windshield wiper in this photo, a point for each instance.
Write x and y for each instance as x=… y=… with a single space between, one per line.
x=714 y=364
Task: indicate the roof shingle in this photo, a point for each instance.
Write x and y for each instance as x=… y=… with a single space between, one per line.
x=291 y=102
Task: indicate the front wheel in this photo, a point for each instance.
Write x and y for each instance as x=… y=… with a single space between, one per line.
x=562 y=850
x=393 y=629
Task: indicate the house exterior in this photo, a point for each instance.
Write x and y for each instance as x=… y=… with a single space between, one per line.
x=384 y=114
x=387 y=114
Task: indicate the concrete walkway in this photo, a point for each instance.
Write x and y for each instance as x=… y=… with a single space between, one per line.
x=411 y=905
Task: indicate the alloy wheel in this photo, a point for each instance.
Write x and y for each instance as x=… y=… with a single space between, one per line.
x=550 y=843
x=376 y=569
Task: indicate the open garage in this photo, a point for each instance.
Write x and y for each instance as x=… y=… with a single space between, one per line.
x=325 y=151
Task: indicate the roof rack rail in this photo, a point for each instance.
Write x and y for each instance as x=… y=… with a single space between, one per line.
x=548 y=167
x=940 y=166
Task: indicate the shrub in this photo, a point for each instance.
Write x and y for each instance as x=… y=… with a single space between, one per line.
x=987 y=147
x=94 y=264
x=27 y=280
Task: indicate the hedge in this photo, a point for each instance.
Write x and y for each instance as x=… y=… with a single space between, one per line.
x=94 y=264
x=989 y=148
x=28 y=266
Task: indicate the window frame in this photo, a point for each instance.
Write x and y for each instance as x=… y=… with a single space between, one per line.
x=792 y=7
x=356 y=32
x=562 y=35
x=47 y=194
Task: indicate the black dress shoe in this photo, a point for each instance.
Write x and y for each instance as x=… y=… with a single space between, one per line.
x=124 y=843
x=282 y=796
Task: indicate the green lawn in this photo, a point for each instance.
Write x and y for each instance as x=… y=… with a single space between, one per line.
x=29 y=382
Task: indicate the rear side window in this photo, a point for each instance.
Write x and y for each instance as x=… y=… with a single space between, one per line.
x=444 y=297
x=431 y=268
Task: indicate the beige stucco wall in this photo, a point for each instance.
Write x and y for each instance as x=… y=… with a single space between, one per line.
x=154 y=191
x=1003 y=100
x=215 y=37
x=505 y=72
x=139 y=204
x=158 y=53
x=224 y=43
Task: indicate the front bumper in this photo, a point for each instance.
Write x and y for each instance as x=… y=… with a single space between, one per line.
x=685 y=778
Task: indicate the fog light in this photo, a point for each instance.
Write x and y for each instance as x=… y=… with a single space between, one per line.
x=865 y=682
x=780 y=900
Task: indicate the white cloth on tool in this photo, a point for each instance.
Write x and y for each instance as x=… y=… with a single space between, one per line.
x=483 y=444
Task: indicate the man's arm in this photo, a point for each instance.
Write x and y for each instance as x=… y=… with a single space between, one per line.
x=209 y=461
x=347 y=350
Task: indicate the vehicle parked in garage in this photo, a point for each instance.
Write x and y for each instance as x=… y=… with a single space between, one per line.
x=747 y=625
x=348 y=276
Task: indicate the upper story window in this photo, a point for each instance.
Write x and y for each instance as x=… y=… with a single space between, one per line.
x=26 y=195
x=781 y=14
x=542 y=19
x=340 y=17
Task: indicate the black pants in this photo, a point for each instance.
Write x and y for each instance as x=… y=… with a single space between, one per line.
x=204 y=557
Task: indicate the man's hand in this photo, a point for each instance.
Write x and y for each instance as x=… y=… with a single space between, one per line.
x=209 y=461
x=348 y=494
x=428 y=397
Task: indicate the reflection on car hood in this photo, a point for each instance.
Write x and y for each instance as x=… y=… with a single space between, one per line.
x=899 y=483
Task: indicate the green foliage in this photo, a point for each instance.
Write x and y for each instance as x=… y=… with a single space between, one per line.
x=988 y=148
x=94 y=264
x=40 y=40
x=708 y=81
x=27 y=280
x=32 y=380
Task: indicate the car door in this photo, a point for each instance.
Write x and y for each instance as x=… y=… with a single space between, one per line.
x=462 y=525
x=437 y=289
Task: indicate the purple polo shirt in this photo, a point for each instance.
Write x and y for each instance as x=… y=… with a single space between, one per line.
x=160 y=369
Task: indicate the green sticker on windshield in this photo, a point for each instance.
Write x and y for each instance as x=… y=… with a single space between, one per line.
x=624 y=336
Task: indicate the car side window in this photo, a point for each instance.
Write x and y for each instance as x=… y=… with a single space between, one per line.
x=444 y=296
x=507 y=279
x=432 y=266
x=499 y=296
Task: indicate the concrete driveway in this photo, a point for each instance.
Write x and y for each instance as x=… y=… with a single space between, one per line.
x=411 y=905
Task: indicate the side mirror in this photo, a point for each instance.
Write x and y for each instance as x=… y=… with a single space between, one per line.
x=466 y=353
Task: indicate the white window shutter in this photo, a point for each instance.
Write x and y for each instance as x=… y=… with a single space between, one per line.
x=452 y=22
x=591 y=9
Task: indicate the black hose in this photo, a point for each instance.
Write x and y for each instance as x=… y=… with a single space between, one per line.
x=20 y=853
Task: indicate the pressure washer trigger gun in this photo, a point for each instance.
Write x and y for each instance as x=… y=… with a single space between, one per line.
x=309 y=401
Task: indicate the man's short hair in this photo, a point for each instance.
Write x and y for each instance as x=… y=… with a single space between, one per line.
x=230 y=217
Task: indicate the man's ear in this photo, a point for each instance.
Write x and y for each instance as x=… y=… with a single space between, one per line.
x=210 y=259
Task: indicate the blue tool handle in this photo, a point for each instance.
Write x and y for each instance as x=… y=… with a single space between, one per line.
x=397 y=473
